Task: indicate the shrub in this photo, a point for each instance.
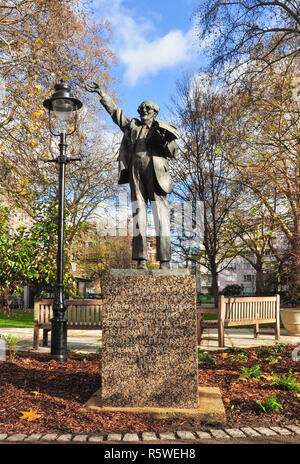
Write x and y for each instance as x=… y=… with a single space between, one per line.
x=272 y=360
x=11 y=344
x=270 y=404
x=232 y=290
x=263 y=350
x=278 y=348
x=286 y=382
x=250 y=372
x=205 y=358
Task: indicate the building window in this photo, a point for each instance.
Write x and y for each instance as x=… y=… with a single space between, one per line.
x=247 y=266
x=231 y=266
x=248 y=278
x=231 y=278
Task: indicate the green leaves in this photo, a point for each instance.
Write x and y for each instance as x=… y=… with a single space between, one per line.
x=287 y=382
x=253 y=372
x=205 y=358
x=270 y=404
x=28 y=255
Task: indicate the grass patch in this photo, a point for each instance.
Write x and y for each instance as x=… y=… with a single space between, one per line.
x=16 y=318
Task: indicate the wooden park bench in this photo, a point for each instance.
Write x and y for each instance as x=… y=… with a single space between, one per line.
x=240 y=312
x=81 y=314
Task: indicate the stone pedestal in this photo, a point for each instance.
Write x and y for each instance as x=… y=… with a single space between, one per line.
x=149 y=351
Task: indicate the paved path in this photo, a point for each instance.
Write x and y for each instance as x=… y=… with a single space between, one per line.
x=88 y=341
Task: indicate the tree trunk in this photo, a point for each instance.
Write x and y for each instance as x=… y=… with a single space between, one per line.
x=259 y=278
x=214 y=286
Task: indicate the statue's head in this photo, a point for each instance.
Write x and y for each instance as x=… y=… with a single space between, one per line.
x=148 y=110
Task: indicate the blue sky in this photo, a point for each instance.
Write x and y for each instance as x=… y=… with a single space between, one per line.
x=155 y=43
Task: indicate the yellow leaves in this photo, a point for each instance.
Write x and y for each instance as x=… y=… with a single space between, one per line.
x=33 y=143
x=35 y=393
x=37 y=114
x=38 y=41
x=30 y=415
x=267 y=377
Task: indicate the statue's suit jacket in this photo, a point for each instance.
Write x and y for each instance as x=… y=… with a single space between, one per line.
x=131 y=129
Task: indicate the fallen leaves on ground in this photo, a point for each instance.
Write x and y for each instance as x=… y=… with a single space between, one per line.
x=30 y=415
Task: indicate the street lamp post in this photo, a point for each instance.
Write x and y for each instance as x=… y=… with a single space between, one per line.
x=63 y=105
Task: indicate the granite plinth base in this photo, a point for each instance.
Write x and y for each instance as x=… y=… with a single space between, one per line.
x=209 y=411
x=149 y=340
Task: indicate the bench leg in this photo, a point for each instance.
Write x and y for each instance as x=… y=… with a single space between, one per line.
x=45 y=337
x=36 y=338
x=200 y=332
x=256 y=330
x=277 y=329
x=221 y=334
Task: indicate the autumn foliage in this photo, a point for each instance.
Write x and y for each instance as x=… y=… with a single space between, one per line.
x=42 y=42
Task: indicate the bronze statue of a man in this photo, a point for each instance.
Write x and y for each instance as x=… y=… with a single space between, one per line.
x=145 y=147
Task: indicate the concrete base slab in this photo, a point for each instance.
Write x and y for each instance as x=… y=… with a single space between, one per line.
x=210 y=411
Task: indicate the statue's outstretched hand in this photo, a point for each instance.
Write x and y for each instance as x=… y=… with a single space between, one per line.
x=95 y=87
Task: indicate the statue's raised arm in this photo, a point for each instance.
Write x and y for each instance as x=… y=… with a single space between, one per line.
x=107 y=102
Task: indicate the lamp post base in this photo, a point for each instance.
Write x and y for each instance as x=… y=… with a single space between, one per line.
x=59 y=339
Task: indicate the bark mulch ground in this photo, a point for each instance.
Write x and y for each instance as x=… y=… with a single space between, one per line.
x=56 y=392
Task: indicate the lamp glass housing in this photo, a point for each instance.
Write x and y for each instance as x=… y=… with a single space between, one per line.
x=63 y=109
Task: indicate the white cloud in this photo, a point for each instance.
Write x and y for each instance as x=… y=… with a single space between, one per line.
x=151 y=57
x=138 y=48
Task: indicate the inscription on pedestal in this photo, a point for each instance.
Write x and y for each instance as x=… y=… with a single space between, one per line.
x=149 y=341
